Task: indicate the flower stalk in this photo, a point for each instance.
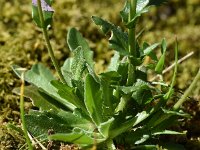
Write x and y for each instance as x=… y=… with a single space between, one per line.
x=132 y=43
x=48 y=44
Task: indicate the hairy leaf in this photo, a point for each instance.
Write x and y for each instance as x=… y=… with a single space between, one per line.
x=93 y=99
x=118 y=40
x=39 y=123
x=75 y=40
x=41 y=78
x=77 y=137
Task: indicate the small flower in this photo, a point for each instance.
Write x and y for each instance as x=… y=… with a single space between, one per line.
x=45 y=6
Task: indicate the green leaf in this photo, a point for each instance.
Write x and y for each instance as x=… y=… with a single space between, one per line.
x=47 y=14
x=141 y=4
x=139 y=85
x=108 y=104
x=93 y=99
x=104 y=25
x=160 y=65
x=66 y=71
x=122 y=70
x=163 y=46
x=125 y=12
x=114 y=63
x=78 y=63
x=75 y=40
x=150 y=48
x=111 y=76
x=164 y=132
x=41 y=78
x=118 y=40
x=131 y=24
x=117 y=128
x=68 y=94
x=41 y=71
x=77 y=137
x=39 y=123
x=178 y=113
x=39 y=99
x=104 y=127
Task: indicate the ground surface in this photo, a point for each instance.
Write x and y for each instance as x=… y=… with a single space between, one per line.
x=21 y=43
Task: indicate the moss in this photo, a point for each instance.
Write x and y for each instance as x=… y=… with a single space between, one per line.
x=22 y=43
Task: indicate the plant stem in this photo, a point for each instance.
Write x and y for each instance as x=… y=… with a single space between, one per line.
x=188 y=91
x=49 y=47
x=131 y=44
x=22 y=114
x=131 y=32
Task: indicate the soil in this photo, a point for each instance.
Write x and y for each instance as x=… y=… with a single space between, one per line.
x=21 y=43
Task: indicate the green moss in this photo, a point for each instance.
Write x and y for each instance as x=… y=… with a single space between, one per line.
x=21 y=42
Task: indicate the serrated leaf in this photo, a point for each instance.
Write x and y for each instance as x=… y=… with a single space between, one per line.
x=118 y=40
x=104 y=25
x=75 y=40
x=93 y=99
x=47 y=13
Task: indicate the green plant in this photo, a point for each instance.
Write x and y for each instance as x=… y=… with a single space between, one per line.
x=116 y=107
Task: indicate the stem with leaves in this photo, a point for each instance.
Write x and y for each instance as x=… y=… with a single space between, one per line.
x=131 y=43
x=49 y=47
x=131 y=32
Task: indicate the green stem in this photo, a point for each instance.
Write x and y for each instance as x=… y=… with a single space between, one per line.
x=132 y=44
x=22 y=113
x=187 y=92
x=131 y=32
x=49 y=47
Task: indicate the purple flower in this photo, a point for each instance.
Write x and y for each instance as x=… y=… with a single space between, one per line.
x=45 y=6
